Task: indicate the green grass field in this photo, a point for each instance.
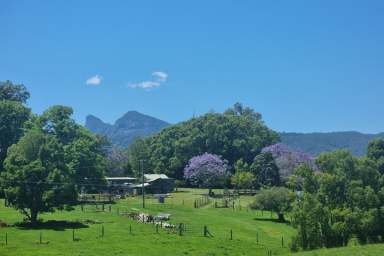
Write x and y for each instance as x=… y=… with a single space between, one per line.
x=246 y=225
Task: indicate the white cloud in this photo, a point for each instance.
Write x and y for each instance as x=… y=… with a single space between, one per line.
x=94 y=80
x=145 y=84
x=158 y=77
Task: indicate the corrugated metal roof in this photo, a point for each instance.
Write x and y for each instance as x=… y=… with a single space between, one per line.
x=140 y=185
x=120 y=178
x=152 y=177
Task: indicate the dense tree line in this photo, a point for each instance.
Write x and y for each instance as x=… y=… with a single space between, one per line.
x=45 y=160
x=342 y=201
x=238 y=133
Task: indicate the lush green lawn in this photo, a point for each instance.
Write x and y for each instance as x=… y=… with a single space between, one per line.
x=246 y=225
x=144 y=240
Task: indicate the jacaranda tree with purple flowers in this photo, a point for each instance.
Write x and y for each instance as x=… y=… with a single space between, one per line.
x=206 y=171
x=287 y=159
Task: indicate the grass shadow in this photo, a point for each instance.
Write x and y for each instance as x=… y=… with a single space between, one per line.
x=57 y=225
x=272 y=220
x=181 y=191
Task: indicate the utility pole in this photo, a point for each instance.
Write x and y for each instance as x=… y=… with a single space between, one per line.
x=142 y=180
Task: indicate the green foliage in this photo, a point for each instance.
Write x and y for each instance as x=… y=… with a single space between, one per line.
x=265 y=170
x=13 y=92
x=277 y=199
x=309 y=217
x=137 y=151
x=13 y=116
x=342 y=201
x=58 y=122
x=51 y=162
x=307 y=177
x=36 y=178
x=243 y=180
x=83 y=155
x=376 y=153
x=84 y=152
x=233 y=135
x=376 y=149
x=241 y=166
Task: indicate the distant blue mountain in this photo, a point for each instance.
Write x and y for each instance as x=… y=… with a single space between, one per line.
x=134 y=125
x=126 y=129
x=316 y=143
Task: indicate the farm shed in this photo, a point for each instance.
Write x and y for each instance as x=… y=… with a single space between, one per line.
x=159 y=183
x=120 y=185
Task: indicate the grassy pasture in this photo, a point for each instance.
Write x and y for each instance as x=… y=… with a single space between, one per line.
x=247 y=225
x=57 y=239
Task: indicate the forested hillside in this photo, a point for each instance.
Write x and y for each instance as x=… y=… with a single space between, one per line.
x=316 y=143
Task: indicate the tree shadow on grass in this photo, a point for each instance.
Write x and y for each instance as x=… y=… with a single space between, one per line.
x=181 y=191
x=57 y=225
x=272 y=220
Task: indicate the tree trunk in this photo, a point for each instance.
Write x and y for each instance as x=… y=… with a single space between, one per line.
x=33 y=218
x=281 y=217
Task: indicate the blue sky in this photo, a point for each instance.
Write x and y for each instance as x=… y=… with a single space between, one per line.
x=305 y=65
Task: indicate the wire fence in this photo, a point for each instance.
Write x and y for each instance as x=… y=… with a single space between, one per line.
x=180 y=226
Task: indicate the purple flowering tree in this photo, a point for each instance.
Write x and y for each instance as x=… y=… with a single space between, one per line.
x=206 y=171
x=287 y=159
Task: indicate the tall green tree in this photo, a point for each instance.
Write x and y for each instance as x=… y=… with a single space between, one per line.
x=343 y=200
x=243 y=180
x=376 y=152
x=137 y=152
x=276 y=199
x=13 y=115
x=265 y=170
x=84 y=151
x=13 y=92
x=37 y=178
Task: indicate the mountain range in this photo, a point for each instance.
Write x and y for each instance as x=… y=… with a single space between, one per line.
x=134 y=125
x=126 y=129
x=316 y=143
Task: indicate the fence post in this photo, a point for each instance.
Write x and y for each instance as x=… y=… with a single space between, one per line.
x=130 y=229
x=82 y=207
x=231 y=234
x=73 y=234
x=6 y=238
x=102 y=207
x=257 y=237
x=205 y=230
x=110 y=208
x=157 y=228
x=282 y=241
x=102 y=231
x=180 y=229
x=41 y=238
